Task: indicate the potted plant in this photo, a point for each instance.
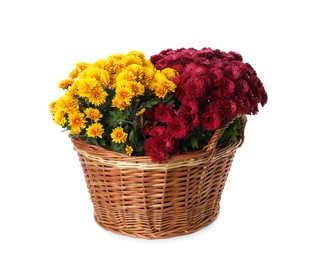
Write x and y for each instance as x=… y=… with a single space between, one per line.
x=156 y=137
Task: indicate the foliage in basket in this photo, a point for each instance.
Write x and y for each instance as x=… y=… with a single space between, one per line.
x=169 y=104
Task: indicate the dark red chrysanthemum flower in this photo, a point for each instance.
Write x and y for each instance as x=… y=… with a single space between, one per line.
x=194 y=87
x=200 y=71
x=233 y=71
x=159 y=147
x=157 y=131
x=169 y=143
x=178 y=128
x=217 y=74
x=226 y=88
x=206 y=53
x=243 y=105
x=155 y=58
x=163 y=113
x=227 y=108
x=219 y=54
x=250 y=69
x=189 y=110
x=188 y=107
x=211 y=118
x=264 y=97
x=242 y=87
x=178 y=67
x=236 y=55
x=154 y=147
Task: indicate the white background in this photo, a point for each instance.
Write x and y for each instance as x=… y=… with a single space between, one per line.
x=271 y=204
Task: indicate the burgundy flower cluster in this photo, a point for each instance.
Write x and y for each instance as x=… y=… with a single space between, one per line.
x=212 y=86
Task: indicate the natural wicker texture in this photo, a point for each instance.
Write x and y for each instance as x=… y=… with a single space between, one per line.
x=135 y=197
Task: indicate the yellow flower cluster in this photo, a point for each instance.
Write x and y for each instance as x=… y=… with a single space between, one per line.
x=115 y=82
x=137 y=75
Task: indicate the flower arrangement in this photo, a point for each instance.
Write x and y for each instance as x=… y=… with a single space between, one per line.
x=169 y=104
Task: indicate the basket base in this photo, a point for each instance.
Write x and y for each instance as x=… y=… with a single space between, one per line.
x=158 y=234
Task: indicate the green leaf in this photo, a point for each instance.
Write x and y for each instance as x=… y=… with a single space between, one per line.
x=117 y=116
x=131 y=136
x=194 y=142
x=148 y=104
x=102 y=143
x=232 y=132
x=93 y=141
x=184 y=148
x=233 y=135
x=169 y=100
x=139 y=147
x=117 y=147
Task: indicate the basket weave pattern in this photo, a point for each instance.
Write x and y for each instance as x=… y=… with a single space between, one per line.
x=135 y=197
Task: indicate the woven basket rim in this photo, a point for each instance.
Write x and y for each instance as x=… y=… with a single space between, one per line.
x=103 y=154
x=192 y=158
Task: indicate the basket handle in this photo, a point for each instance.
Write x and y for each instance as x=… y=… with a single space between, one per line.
x=212 y=144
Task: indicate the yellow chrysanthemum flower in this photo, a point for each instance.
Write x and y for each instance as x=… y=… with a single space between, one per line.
x=101 y=64
x=60 y=117
x=129 y=149
x=118 y=135
x=159 y=76
x=149 y=75
x=86 y=85
x=74 y=73
x=124 y=92
x=112 y=81
x=169 y=73
x=52 y=107
x=164 y=88
x=137 y=70
x=121 y=104
x=93 y=113
x=115 y=63
x=77 y=122
x=97 y=96
x=124 y=76
x=170 y=85
x=82 y=66
x=161 y=85
x=79 y=67
x=161 y=91
x=117 y=57
x=139 y=54
x=95 y=130
x=100 y=75
x=136 y=87
x=128 y=89
x=65 y=83
x=73 y=90
x=148 y=64
x=67 y=103
x=132 y=59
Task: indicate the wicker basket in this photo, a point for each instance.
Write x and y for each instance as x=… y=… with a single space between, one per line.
x=135 y=197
